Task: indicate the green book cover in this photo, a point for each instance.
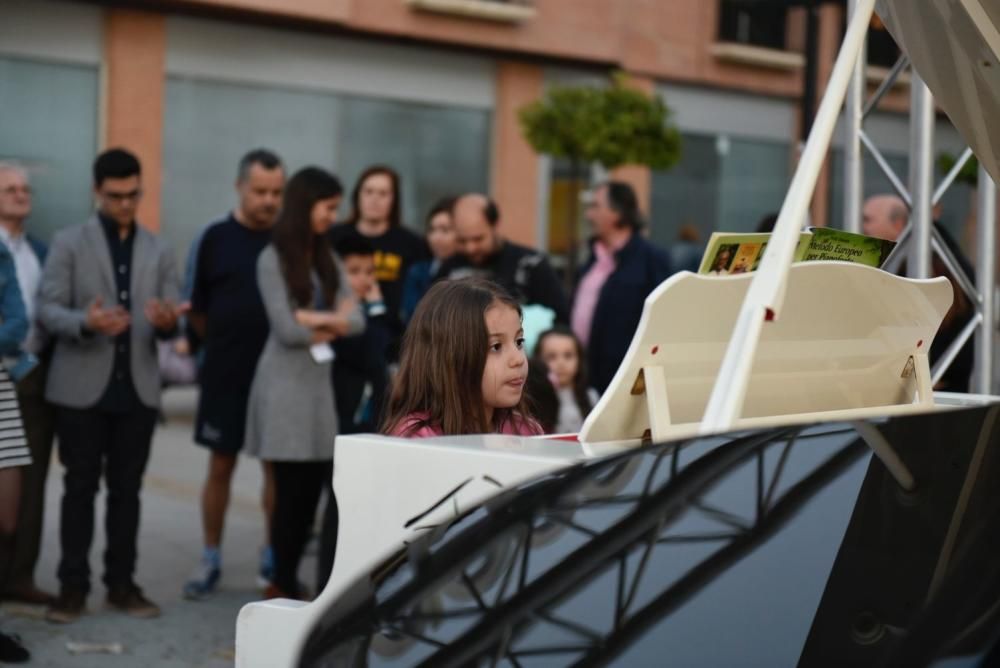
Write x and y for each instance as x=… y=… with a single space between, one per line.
x=736 y=253
x=827 y=244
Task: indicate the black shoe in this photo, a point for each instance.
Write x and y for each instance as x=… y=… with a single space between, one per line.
x=29 y=594
x=129 y=599
x=67 y=607
x=11 y=649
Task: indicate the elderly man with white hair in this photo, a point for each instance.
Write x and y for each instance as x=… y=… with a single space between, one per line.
x=37 y=414
x=885 y=217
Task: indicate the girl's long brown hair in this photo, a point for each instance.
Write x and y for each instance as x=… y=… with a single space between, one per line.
x=581 y=386
x=442 y=361
x=300 y=250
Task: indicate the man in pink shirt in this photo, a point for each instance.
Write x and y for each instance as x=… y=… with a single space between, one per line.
x=623 y=269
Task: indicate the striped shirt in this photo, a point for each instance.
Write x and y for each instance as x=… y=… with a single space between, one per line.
x=13 y=444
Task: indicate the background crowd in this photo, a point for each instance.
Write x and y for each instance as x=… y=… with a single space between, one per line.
x=291 y=322
x=290 y=344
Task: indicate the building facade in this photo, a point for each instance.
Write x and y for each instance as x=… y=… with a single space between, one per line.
x=430 y=87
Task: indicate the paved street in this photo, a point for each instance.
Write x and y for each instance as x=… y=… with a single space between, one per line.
x=188 y=634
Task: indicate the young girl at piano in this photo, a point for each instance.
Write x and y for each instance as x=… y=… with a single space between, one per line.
x=462 y=367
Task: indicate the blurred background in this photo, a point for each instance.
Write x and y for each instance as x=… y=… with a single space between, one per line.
x=431 y=87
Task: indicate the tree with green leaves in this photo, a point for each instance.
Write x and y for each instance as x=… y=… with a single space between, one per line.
x=968 y=174
x=613 y=126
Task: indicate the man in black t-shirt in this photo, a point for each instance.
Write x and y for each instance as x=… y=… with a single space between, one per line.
x=522 y=271
x=228 y=315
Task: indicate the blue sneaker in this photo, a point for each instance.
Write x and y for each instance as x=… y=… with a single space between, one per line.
x=204 y=581
x=266 y=573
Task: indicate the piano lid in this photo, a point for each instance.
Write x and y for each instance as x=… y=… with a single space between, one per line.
x=955 y=47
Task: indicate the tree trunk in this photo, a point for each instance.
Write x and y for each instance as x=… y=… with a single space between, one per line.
x=576 y=178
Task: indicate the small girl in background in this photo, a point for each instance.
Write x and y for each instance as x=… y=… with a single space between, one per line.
x=462 y=369
x=443 y=243
x=562 y=353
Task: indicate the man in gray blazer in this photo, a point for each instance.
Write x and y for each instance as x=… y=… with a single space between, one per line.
x=108 y=289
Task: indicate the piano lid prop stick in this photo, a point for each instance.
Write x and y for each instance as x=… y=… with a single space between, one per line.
x=767 y=289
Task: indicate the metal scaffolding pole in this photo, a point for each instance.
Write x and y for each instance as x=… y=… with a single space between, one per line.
x=982 y=377
x=883 y=88
x=919 y=239
x=853 y=116
x=921 y=175
x=950 y=177
x=886 y=168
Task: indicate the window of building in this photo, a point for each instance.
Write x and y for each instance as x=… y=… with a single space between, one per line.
x=753 y=23
x=562 y=189
x=722 y=183
x=882 y=49
x=50 y=127
x=438 y=150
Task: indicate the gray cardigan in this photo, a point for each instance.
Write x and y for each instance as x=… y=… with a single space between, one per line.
x=291 y=414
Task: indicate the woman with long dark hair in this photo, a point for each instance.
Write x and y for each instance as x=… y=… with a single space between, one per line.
x=292 y=419
x=376 y=204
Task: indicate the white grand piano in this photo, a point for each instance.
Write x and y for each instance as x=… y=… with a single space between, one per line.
x=791 y=344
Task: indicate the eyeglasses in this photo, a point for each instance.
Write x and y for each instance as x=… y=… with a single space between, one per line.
x=131 y=196
x=13 y=190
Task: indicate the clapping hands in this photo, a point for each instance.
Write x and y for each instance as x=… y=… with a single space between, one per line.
x=110 y=321
x=163 y=314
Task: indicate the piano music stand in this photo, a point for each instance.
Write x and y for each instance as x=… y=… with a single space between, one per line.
x=851 y=343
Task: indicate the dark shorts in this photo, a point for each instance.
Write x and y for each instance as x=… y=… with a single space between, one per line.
x=222 y=417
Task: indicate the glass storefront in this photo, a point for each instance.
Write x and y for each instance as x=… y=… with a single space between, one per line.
x=438 y=150
x=49 y=113
x=720 y=183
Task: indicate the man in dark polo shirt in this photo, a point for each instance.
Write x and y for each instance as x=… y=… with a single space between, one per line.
x=109 y=289
x=228 y=315
x=524 y=272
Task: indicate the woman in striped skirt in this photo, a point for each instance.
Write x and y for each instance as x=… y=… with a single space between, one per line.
x=13 y=445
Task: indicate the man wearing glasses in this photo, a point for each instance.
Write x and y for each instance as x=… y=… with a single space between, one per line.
x=36 y=412
x=108 y=290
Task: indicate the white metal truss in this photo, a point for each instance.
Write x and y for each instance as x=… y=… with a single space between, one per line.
x=920 y=239
x=765 y=295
